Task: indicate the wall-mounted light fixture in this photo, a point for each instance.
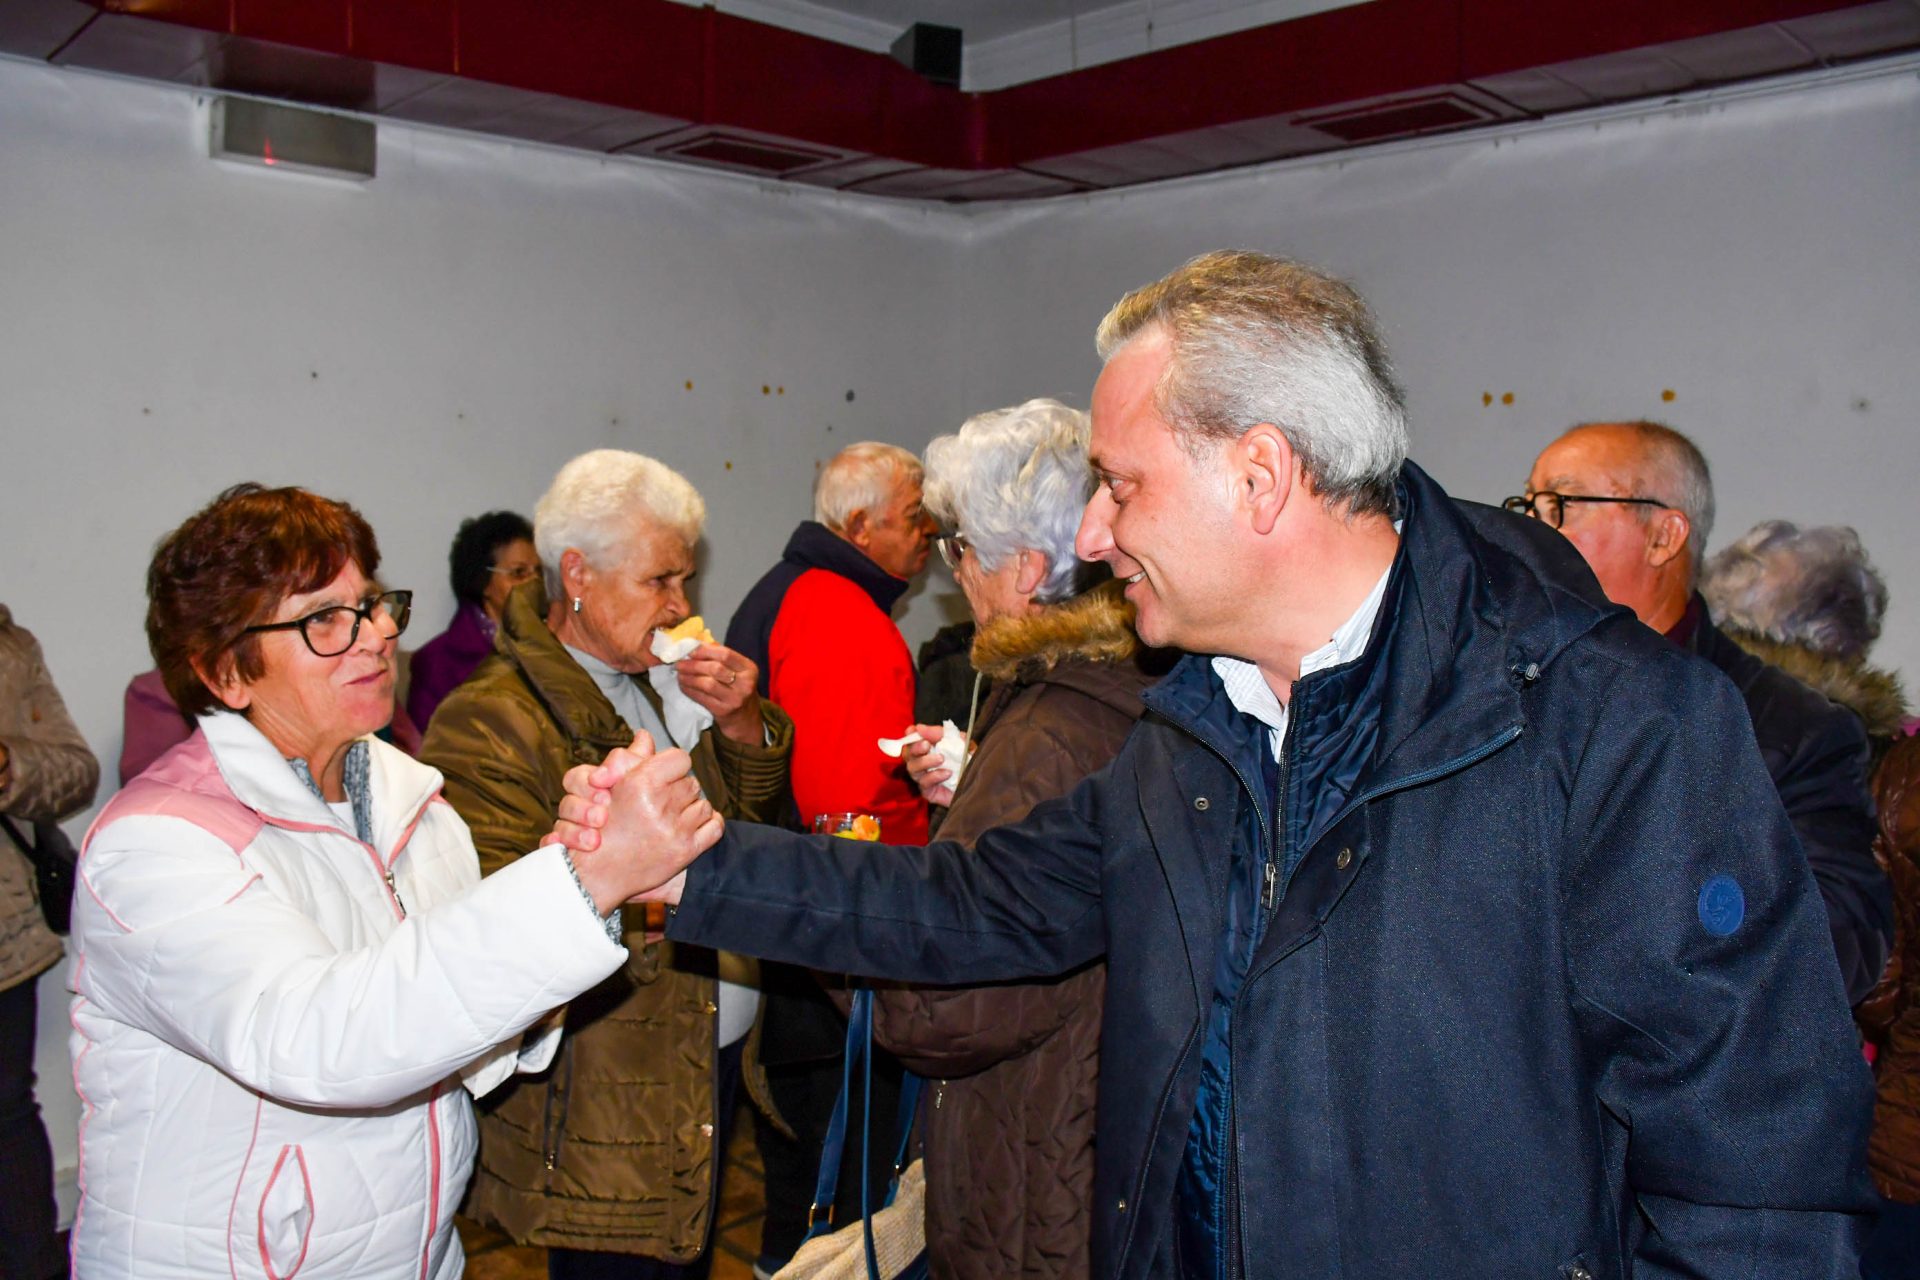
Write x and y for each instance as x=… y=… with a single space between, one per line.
x=276 y=135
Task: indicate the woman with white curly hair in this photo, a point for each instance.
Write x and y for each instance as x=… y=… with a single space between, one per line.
x=1009 y=1135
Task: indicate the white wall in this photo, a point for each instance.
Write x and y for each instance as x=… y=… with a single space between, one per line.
x=436 y=342
x=1758 y=256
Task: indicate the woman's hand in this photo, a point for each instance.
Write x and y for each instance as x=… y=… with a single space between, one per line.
x=725 y=683
x=924 y=765
x=633 y=823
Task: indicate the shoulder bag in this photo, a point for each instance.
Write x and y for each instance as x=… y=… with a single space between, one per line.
x=53 y=859
x=890 y=1242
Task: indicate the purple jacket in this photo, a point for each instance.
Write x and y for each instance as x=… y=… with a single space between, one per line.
x=443 y=663
x=153 y=725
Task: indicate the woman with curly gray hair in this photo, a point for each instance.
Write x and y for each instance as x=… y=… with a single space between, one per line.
x=1009 y=1136
x=1808 y=600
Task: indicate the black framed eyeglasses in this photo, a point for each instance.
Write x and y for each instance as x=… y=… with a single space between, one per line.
x=1551 y=507
x=330 y=632
x=953 y=548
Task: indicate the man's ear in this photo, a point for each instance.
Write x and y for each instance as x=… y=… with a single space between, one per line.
x=1032 y=571
x=1668 y=536
x=1265 y=468
x=225 y=683
x=859 y=529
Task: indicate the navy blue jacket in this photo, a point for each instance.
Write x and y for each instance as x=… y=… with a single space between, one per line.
x=1817 y=755
x=1546 y=990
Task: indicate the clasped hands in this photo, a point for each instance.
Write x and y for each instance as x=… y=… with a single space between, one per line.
x=633 y=823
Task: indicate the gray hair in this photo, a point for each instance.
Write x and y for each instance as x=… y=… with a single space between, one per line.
x=592 y=504
x=1260 y=339
x=861 y=477
x=1017 y=480
x=1679 y=476
x=1807 y=587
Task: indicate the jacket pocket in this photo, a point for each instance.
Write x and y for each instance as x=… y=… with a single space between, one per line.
x=284 y=1220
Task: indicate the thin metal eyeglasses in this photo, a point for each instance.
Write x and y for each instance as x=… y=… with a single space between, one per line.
x=953 y=548
x=330 y=632
x=515 y=572
x=1551 y=507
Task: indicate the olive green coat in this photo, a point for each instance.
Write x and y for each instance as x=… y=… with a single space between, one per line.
x=52 y=775
x=613 y=1148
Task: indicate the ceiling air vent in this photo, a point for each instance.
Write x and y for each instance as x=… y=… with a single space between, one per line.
x=1400 y=119
x=755 y=154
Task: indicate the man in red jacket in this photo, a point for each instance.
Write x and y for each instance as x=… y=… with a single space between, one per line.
x=820 y=627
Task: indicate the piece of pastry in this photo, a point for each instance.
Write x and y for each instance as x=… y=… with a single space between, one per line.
x=694 y=628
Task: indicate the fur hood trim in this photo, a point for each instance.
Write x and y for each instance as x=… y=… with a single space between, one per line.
x=1869 y=692
x=1096 y=625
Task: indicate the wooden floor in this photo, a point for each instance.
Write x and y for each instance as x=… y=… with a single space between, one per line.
x=491 y=1256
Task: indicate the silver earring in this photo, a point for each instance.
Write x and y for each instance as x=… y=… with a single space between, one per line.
x=576 y=604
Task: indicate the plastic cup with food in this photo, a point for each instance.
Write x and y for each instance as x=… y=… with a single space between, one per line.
x=848 y=826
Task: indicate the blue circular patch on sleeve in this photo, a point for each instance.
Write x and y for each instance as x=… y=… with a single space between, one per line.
x=1722 y=905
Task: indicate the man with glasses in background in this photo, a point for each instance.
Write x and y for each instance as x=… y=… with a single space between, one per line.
x=1636 y=500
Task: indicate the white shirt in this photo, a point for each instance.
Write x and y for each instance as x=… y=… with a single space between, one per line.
x=1249 y=691
x=738 y=1004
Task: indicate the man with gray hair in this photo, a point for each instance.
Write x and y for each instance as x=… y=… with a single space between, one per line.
x=1451 y=924
x=820 y=626
x=1636 y=500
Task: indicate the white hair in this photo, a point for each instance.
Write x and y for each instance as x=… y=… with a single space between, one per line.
x=1017 y=480
x=1807 y=587
x=861 y=477
x=592 y=504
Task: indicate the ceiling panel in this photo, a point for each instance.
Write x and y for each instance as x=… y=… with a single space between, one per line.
x=1860 y=31
x=698 y=85
x=35 y=28
x=150 y=49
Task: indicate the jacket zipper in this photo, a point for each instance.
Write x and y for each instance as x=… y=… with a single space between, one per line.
x=1454 y=765
x=433 y=1204
x=559 y=1088
x=394 y=889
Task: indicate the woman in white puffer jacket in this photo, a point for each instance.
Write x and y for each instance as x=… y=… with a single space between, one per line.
x=289 y=975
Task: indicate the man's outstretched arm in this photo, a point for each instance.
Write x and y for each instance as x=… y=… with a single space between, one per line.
x=1025 y=901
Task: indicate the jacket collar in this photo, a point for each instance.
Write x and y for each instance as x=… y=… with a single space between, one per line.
x=1095 y=626
x=1479 y=603
x=1870 y=692
x=814 y=546
x=564 y=688
x=260 y=778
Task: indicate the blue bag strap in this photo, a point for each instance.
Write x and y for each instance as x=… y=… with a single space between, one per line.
x=826 y=1183
x=866 y=1151
x=909 y=1105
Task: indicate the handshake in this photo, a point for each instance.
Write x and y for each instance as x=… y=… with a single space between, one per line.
x=633 y=823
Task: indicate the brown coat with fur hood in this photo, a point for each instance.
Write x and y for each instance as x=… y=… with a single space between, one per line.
x=1890 y=1016
x=1008 y=1120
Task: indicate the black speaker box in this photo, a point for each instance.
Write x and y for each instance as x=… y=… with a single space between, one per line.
x=932 y=51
